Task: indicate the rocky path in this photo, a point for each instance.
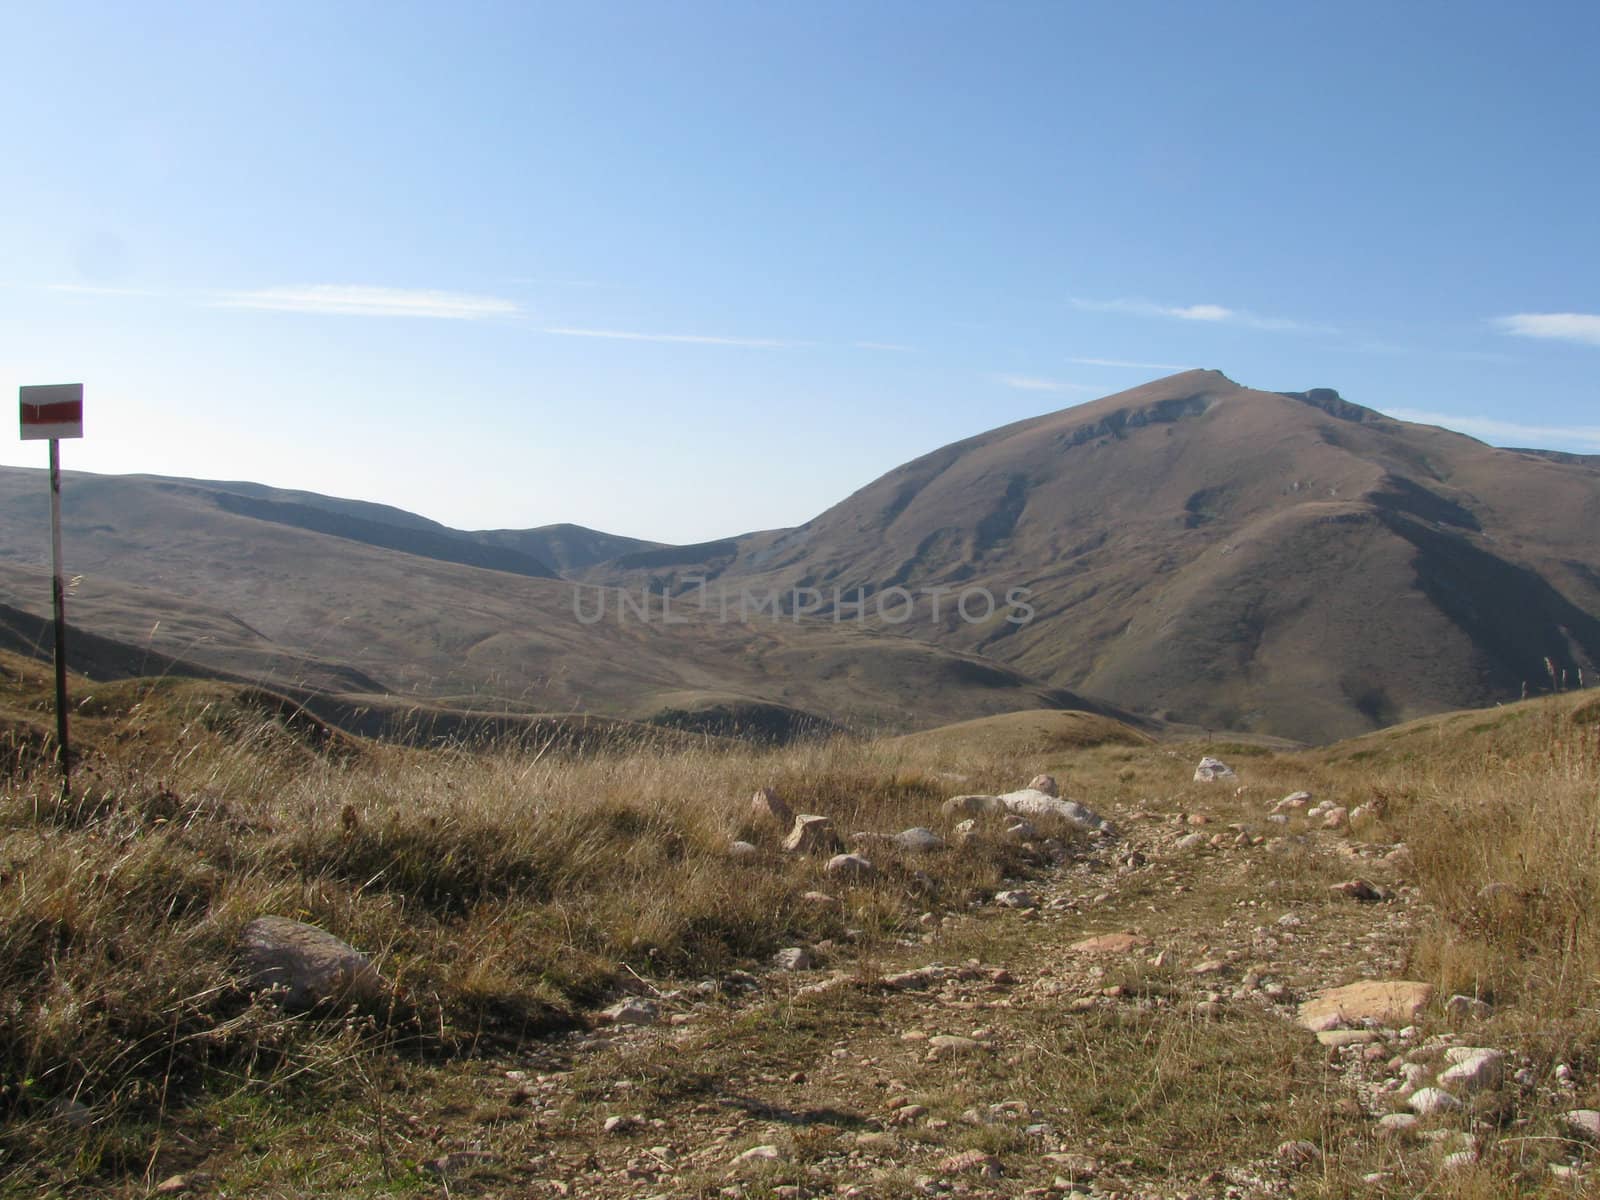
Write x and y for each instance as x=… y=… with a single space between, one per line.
x=1126 y=1028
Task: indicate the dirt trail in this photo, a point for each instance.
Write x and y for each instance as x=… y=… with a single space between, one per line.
x=990 y=1058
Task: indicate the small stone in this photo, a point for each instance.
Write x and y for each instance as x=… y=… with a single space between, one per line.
x=793 y=958
x=1339 y=1038
x=813 y=835
x=1299 y=1153
x=1111 y=943
x=1398 y=1126
x=1432 y=1101
x=1363 y=890
x=1466 y=1008
x=945 y=1046
x=1475 y=1069
x=972 y=1162
x=852 y=867
x=1585 y=1122
x=918 y=840
x=758 y=1156
x=632 y=1011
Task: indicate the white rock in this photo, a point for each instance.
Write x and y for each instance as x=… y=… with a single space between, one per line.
x=1432 y=1101
x=758 y=1156
x=1585 y=1122
x=1475 y=1069
x=632 y=1011
x=1212 y=769
x=794 y=958
x=1030 y=802
x=918 y=840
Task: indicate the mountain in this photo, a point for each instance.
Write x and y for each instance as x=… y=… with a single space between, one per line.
x=304 y=593
x=1291 y=562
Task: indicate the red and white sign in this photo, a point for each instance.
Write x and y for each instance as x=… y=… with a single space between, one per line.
x=52 y=410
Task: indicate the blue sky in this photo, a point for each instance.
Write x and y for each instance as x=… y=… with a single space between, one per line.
x=684 y=270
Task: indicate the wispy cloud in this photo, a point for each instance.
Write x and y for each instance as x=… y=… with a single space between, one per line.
x=1033 y=383
x=360 y=301
x=1211 y=313
x=1122 y=362
x=1566 y=327
x=693 y=339
x=94 y=289
x=1584 y=438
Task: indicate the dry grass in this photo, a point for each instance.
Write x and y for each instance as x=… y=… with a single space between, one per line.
x=500 y=892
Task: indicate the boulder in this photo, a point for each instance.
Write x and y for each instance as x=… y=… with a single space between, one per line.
x=1030 y=802
x=768 y=808
x=310 y=965
x=1385 y=1002
x=1212 y=769
x=851 y=867
x=813 y=835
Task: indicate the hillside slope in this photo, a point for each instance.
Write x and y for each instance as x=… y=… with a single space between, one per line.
x=1286 y=562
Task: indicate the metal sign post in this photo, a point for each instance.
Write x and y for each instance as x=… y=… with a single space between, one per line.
x=51 y=412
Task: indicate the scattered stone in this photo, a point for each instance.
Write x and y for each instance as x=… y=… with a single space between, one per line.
x=794 y=958
x=1386 y=1002
x=1015 y=899
x=1432 y=1101
x=632 y=1011
x=1339 y=1038
x=1300 y=1153
x=1363 y=890
x=1046 y=784
x=917 y=840
x=1475 y=1069
x=1585 y=1122
x=758 y=1156
x=946 y=1046
x=1466 y=1008
x=852 y=867
x=1212 y=769
x=1111 y=943
x=972 y=1162
x=769 y=809
x=813 y=835
x=1398 y=1126
x=310 y=965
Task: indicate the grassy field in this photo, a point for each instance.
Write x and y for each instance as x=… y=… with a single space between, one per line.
x=505 y=892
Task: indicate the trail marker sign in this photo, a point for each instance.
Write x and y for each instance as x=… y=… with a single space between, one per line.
x=51 y=411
